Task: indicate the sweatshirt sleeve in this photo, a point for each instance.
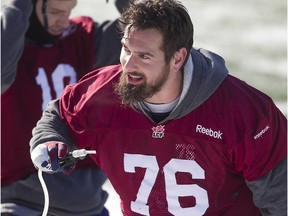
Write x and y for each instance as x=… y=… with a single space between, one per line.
x=14 y=24
x=270 y=191
x=51 y=128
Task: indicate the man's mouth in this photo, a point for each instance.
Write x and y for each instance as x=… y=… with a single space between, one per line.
x=135 y=79
x=56 y=31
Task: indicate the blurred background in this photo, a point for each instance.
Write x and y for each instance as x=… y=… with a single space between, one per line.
x=251 y=35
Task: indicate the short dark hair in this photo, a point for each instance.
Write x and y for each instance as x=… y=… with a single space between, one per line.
x=170 y=17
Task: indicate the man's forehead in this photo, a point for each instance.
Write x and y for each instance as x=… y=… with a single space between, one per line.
x=148 y=33
x=62 y=4
x=143 y=40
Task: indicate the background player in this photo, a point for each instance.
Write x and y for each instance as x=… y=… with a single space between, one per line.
x=42 y=51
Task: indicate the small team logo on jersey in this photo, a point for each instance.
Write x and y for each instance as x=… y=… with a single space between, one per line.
x=158 y=131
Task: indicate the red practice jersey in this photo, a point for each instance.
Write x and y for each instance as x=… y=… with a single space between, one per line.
x=196 y=164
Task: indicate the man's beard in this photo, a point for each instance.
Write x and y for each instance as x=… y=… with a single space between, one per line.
x=131 y=94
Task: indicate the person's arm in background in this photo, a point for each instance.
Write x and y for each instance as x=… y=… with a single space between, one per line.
x=121 y=5
x=14 y=24
x=107 y=39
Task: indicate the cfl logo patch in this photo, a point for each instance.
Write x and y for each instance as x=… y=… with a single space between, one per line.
x=158 y=131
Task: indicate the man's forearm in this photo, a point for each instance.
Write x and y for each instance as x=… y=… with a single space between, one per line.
x=51 y=128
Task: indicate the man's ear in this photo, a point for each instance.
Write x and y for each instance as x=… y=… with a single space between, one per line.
x=179 y=58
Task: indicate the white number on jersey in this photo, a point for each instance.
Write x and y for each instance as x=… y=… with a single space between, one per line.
x=173 y=190
x=58 y=75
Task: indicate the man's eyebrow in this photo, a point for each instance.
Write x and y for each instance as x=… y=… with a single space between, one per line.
x=57 y=10
x=138 y=52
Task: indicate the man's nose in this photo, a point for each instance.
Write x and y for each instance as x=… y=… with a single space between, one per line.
x=64 y=21
x=130 y=63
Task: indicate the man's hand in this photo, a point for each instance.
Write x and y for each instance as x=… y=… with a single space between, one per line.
x=47 y=157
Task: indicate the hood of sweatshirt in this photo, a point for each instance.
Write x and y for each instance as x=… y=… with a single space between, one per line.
x=201 y=79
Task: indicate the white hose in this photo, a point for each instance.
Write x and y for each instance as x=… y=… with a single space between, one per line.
x=76 y=154
x=46 y=194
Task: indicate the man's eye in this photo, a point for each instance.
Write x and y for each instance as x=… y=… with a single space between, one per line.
x=144 y=56
x=54 y=13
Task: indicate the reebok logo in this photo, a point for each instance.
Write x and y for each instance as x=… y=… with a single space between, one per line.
x=209 y=132
x=262 y=132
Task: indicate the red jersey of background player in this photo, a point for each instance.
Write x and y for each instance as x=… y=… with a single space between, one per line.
x=46 y=80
